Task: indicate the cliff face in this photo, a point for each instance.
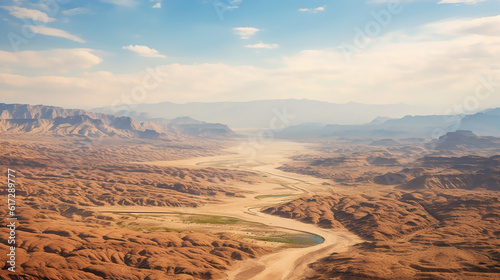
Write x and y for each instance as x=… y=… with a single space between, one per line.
x=25 y=111
x=39 y=119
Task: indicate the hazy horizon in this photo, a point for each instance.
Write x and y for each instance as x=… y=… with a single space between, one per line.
x=100 y=53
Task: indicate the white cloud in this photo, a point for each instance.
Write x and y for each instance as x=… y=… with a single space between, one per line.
x=59 y=60
x=262 y=45
x=76 y=11
x=313 y=10
x=54 y=32
x=144 y=51
x=228 y=5
x=245 y=32
x=102 y=88
x=22 y=13
x=481 y=26
x=126 y=3
x=439 y=64
x=157 y=4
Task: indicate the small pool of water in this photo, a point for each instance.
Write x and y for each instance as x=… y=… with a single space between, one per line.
x=307 y=239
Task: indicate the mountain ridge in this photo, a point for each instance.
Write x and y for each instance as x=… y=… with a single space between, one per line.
x=484 y=123
x=52 y=120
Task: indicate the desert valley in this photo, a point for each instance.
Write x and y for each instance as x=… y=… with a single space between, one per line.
x=250 y=140
x=102 y=196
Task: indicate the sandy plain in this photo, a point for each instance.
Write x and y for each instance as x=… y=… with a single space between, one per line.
x=279 y=187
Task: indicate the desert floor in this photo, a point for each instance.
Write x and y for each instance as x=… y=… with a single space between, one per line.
x=279 y=187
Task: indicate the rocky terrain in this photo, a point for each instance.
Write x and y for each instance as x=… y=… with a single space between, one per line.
x=445 y=172
x=411 y=235
x=62 y=235
x=55 y=172
x=426 y=210
x=488 y=180
x=456 y=160
x=65 y=242
x=371 y=217
x=347 y=168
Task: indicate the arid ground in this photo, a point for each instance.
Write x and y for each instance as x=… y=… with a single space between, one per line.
x=146 y=209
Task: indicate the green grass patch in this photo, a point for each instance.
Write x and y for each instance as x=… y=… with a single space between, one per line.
x=131 y=227
x=147 y=228
x=216 y=220
x=162 y=229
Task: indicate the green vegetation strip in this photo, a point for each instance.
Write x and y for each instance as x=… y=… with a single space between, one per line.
x=297 y=239
x=216 y=220
x=272 y=196
x=147 y=228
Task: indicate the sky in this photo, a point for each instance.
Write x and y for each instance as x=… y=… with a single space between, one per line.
x=444 y=54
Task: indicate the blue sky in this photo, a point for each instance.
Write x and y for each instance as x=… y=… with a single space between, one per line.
x=92 y=53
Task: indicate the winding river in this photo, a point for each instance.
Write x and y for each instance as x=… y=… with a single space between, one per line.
x=280 y=186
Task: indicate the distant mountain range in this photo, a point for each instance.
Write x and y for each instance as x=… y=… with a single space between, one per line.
x=259 y=114
x=49 y=120
x=485 y=123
